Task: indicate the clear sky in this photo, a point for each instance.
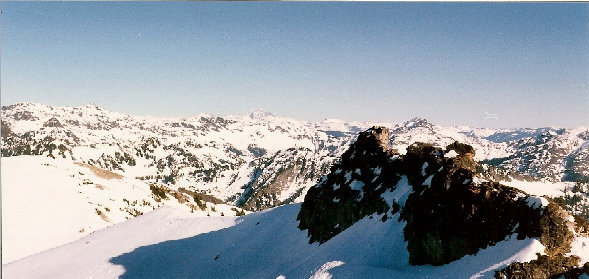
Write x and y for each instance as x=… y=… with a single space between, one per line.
x=452 y=63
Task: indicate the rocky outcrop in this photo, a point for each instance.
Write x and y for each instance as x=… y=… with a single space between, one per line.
x=353 y=188
x=450 y=212
x=449 y=215
x=555 y=231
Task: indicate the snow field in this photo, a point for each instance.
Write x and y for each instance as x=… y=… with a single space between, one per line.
x=49 y=202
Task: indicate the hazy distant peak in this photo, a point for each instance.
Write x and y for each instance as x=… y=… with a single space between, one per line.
x=259 y=113
x=416 y=122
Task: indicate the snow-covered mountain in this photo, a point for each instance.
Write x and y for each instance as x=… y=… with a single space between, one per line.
x=377 y=214
x=254 y=161
x=261 y=160
x=117 y=166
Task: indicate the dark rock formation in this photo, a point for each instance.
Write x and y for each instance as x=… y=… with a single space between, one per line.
x=555 y=232
x=449 y=216
x=556 y=235
x=443 y=225
x=464 y=160
x=353 y=188
x=449 y=213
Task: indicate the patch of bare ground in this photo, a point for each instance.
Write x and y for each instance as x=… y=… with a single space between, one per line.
x=102 y=173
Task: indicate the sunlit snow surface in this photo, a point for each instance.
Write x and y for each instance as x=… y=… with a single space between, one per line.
x=539 y=188
x=49 y=202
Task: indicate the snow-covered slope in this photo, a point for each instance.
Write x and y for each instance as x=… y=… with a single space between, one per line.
x=266 y=244
x=49 y=202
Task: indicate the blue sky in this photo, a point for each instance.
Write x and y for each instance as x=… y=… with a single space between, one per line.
x=451 y=63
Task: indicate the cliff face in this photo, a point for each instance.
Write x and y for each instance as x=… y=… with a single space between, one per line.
x=449 y=215
x=449 y=212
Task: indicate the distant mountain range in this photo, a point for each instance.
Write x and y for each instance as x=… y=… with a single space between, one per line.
x=261 y=160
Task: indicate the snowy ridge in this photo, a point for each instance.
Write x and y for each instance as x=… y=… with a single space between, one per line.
x=203 y=152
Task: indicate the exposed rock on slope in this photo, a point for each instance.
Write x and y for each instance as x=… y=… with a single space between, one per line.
x=449 y=212
x=288 y=168
x=449 y=215
x=545 y=267
x=352 y=189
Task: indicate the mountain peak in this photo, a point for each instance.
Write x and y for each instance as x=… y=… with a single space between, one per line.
x=414 y=123
x=259 y=113
x=417 y=122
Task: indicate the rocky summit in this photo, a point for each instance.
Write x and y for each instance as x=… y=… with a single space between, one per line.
x=448 y=210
